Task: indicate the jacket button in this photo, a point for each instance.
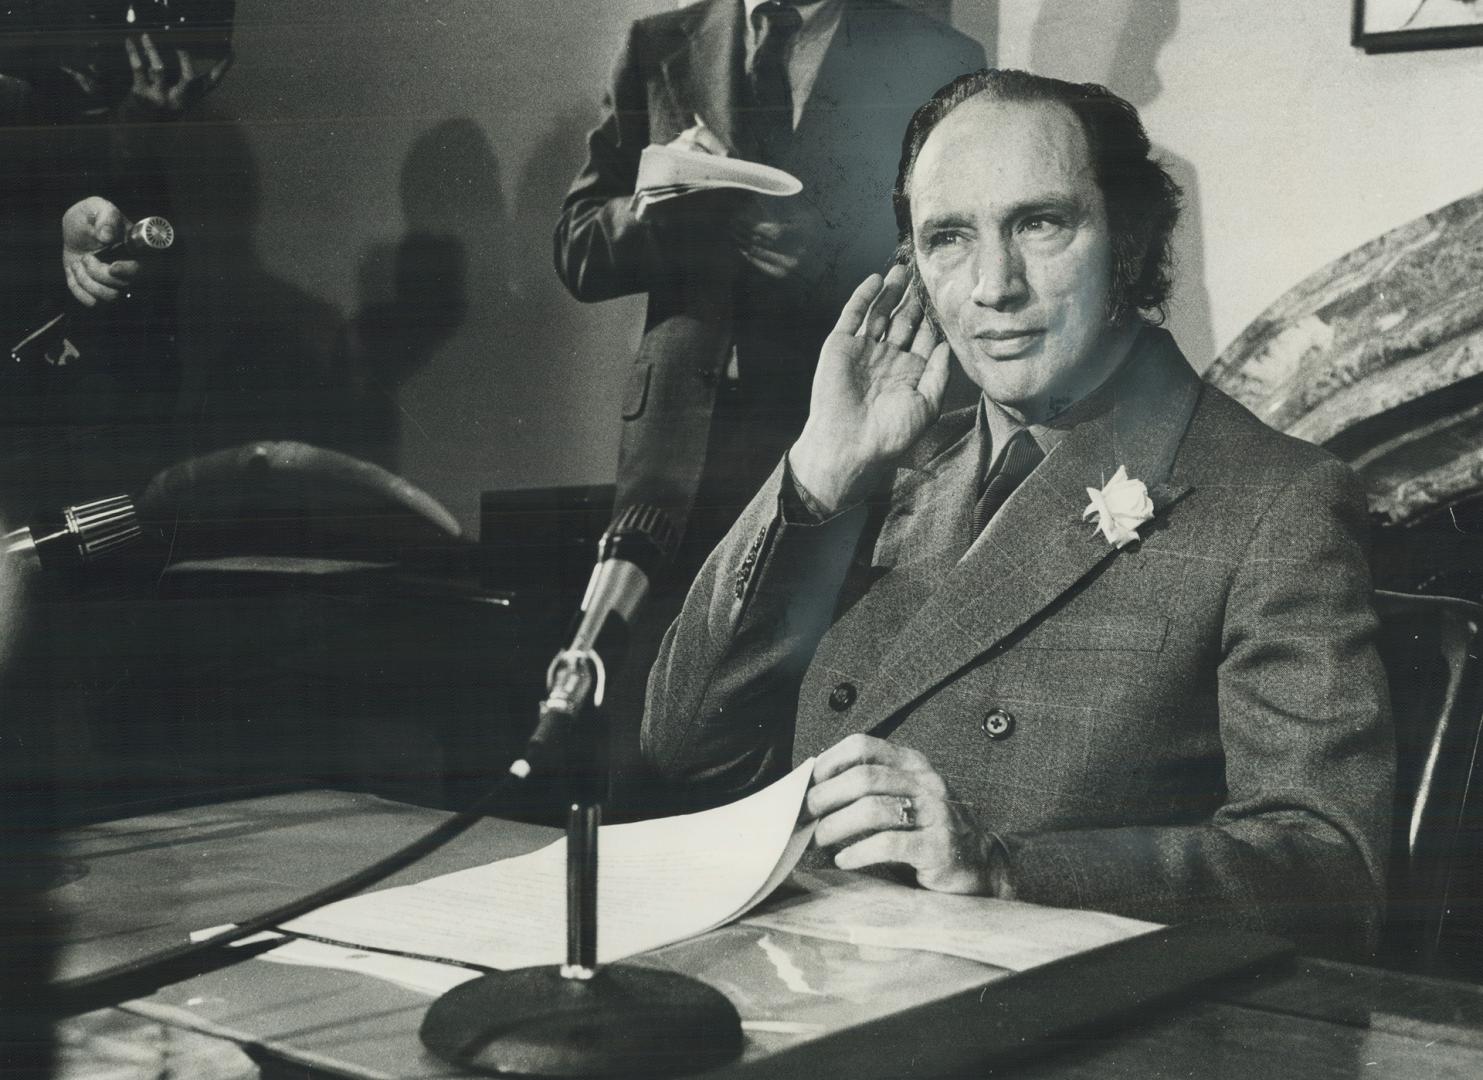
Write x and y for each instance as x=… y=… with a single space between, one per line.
x=842 y=696
x=998 y=724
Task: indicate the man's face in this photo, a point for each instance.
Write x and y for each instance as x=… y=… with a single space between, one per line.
x=1010 y=236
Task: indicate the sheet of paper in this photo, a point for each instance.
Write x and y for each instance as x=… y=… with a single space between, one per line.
x=664 y=168
x=424 y=976
x=668 y=172
x=659 y=881
x=861 y=910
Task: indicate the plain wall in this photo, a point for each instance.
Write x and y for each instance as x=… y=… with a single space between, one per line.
x=370 y=122
x=1294 y=147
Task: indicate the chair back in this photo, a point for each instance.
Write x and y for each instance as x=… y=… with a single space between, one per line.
x=1430 y=648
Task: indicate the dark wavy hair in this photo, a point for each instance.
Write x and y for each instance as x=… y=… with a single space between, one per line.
x=1142 y=199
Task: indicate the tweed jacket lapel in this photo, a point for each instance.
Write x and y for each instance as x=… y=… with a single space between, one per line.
x=706 y=73
x=1037 y=546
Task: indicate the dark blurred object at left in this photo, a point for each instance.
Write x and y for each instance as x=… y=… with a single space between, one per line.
x=73 y=52
x=82 y=88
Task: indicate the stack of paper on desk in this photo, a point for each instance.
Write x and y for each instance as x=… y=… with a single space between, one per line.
x=667 y=172
x=658 y=882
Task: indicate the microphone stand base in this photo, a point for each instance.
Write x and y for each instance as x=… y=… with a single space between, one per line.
x=622 y=1021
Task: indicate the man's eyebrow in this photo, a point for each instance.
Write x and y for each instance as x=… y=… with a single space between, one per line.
x=1067 y=201
x=947 y=220
x=1063 y=203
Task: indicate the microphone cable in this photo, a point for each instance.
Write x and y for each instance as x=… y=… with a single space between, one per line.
x=640 y=540
x=137 y=978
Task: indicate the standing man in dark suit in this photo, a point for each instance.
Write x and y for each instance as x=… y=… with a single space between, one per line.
x=742 y=290
x=1103 y=641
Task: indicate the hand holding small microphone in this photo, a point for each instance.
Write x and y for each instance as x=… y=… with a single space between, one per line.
x=100 y=262
x=91 y=227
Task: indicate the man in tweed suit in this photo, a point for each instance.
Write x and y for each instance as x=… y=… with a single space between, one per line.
x=1172 y=711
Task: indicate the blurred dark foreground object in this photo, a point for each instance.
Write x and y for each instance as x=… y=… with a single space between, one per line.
x=1434 y=918
x=73 y=50
x=293 y=499
x=302 y=616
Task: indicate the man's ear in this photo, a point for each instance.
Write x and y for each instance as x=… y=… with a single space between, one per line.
x=917 y=289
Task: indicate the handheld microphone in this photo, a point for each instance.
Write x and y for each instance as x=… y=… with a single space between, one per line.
x=78 y=536
x=147 y=236
x=49 y=341
x=640 y=541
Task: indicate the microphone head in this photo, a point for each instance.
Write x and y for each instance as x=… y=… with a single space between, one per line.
x=102 y=528
x=641 y=534
x=80 y=535
x=152 y=234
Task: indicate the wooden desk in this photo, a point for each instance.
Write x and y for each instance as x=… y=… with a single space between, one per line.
x=144 y=883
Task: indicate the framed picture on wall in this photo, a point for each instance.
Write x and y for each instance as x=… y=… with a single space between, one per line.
x=1395 y=25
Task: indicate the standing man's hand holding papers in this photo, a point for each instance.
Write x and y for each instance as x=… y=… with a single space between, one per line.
x=668 y=194
x=751 y=203
x=770 y=234
x=701 y=139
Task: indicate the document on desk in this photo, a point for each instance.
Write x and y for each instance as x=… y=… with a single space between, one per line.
x=862 y=910
x=659 y=882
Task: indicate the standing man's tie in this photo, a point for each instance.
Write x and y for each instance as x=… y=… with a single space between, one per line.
x=771 y=94
x=1021 y=455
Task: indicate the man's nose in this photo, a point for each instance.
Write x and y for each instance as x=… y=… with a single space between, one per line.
x=999 y=281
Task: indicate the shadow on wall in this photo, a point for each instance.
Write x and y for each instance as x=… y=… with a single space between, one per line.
x=262 y=358
x=542 y=187
x=1118 y=44
x=415 y=294
x=938 y=9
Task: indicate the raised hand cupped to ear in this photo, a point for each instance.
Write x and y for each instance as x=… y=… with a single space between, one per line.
x=878 y=388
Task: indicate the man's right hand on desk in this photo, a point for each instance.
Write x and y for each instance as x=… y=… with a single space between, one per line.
x=880 y=803
x=877 y=390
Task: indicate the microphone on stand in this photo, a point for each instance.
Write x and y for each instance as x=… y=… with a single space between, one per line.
x=572 y=1019
x=49 y=342
x=634 y=548
x=576 y=1019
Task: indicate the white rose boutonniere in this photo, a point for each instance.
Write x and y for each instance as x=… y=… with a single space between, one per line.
x=1119 y=507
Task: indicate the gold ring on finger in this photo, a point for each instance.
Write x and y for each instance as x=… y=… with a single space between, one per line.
x=906 y=812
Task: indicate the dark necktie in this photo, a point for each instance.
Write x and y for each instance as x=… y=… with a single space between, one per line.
x=1021 y=455
x=771 y=96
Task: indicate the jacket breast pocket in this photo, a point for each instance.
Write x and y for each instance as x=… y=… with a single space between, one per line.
x=1110 y=633
x=636 y=394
